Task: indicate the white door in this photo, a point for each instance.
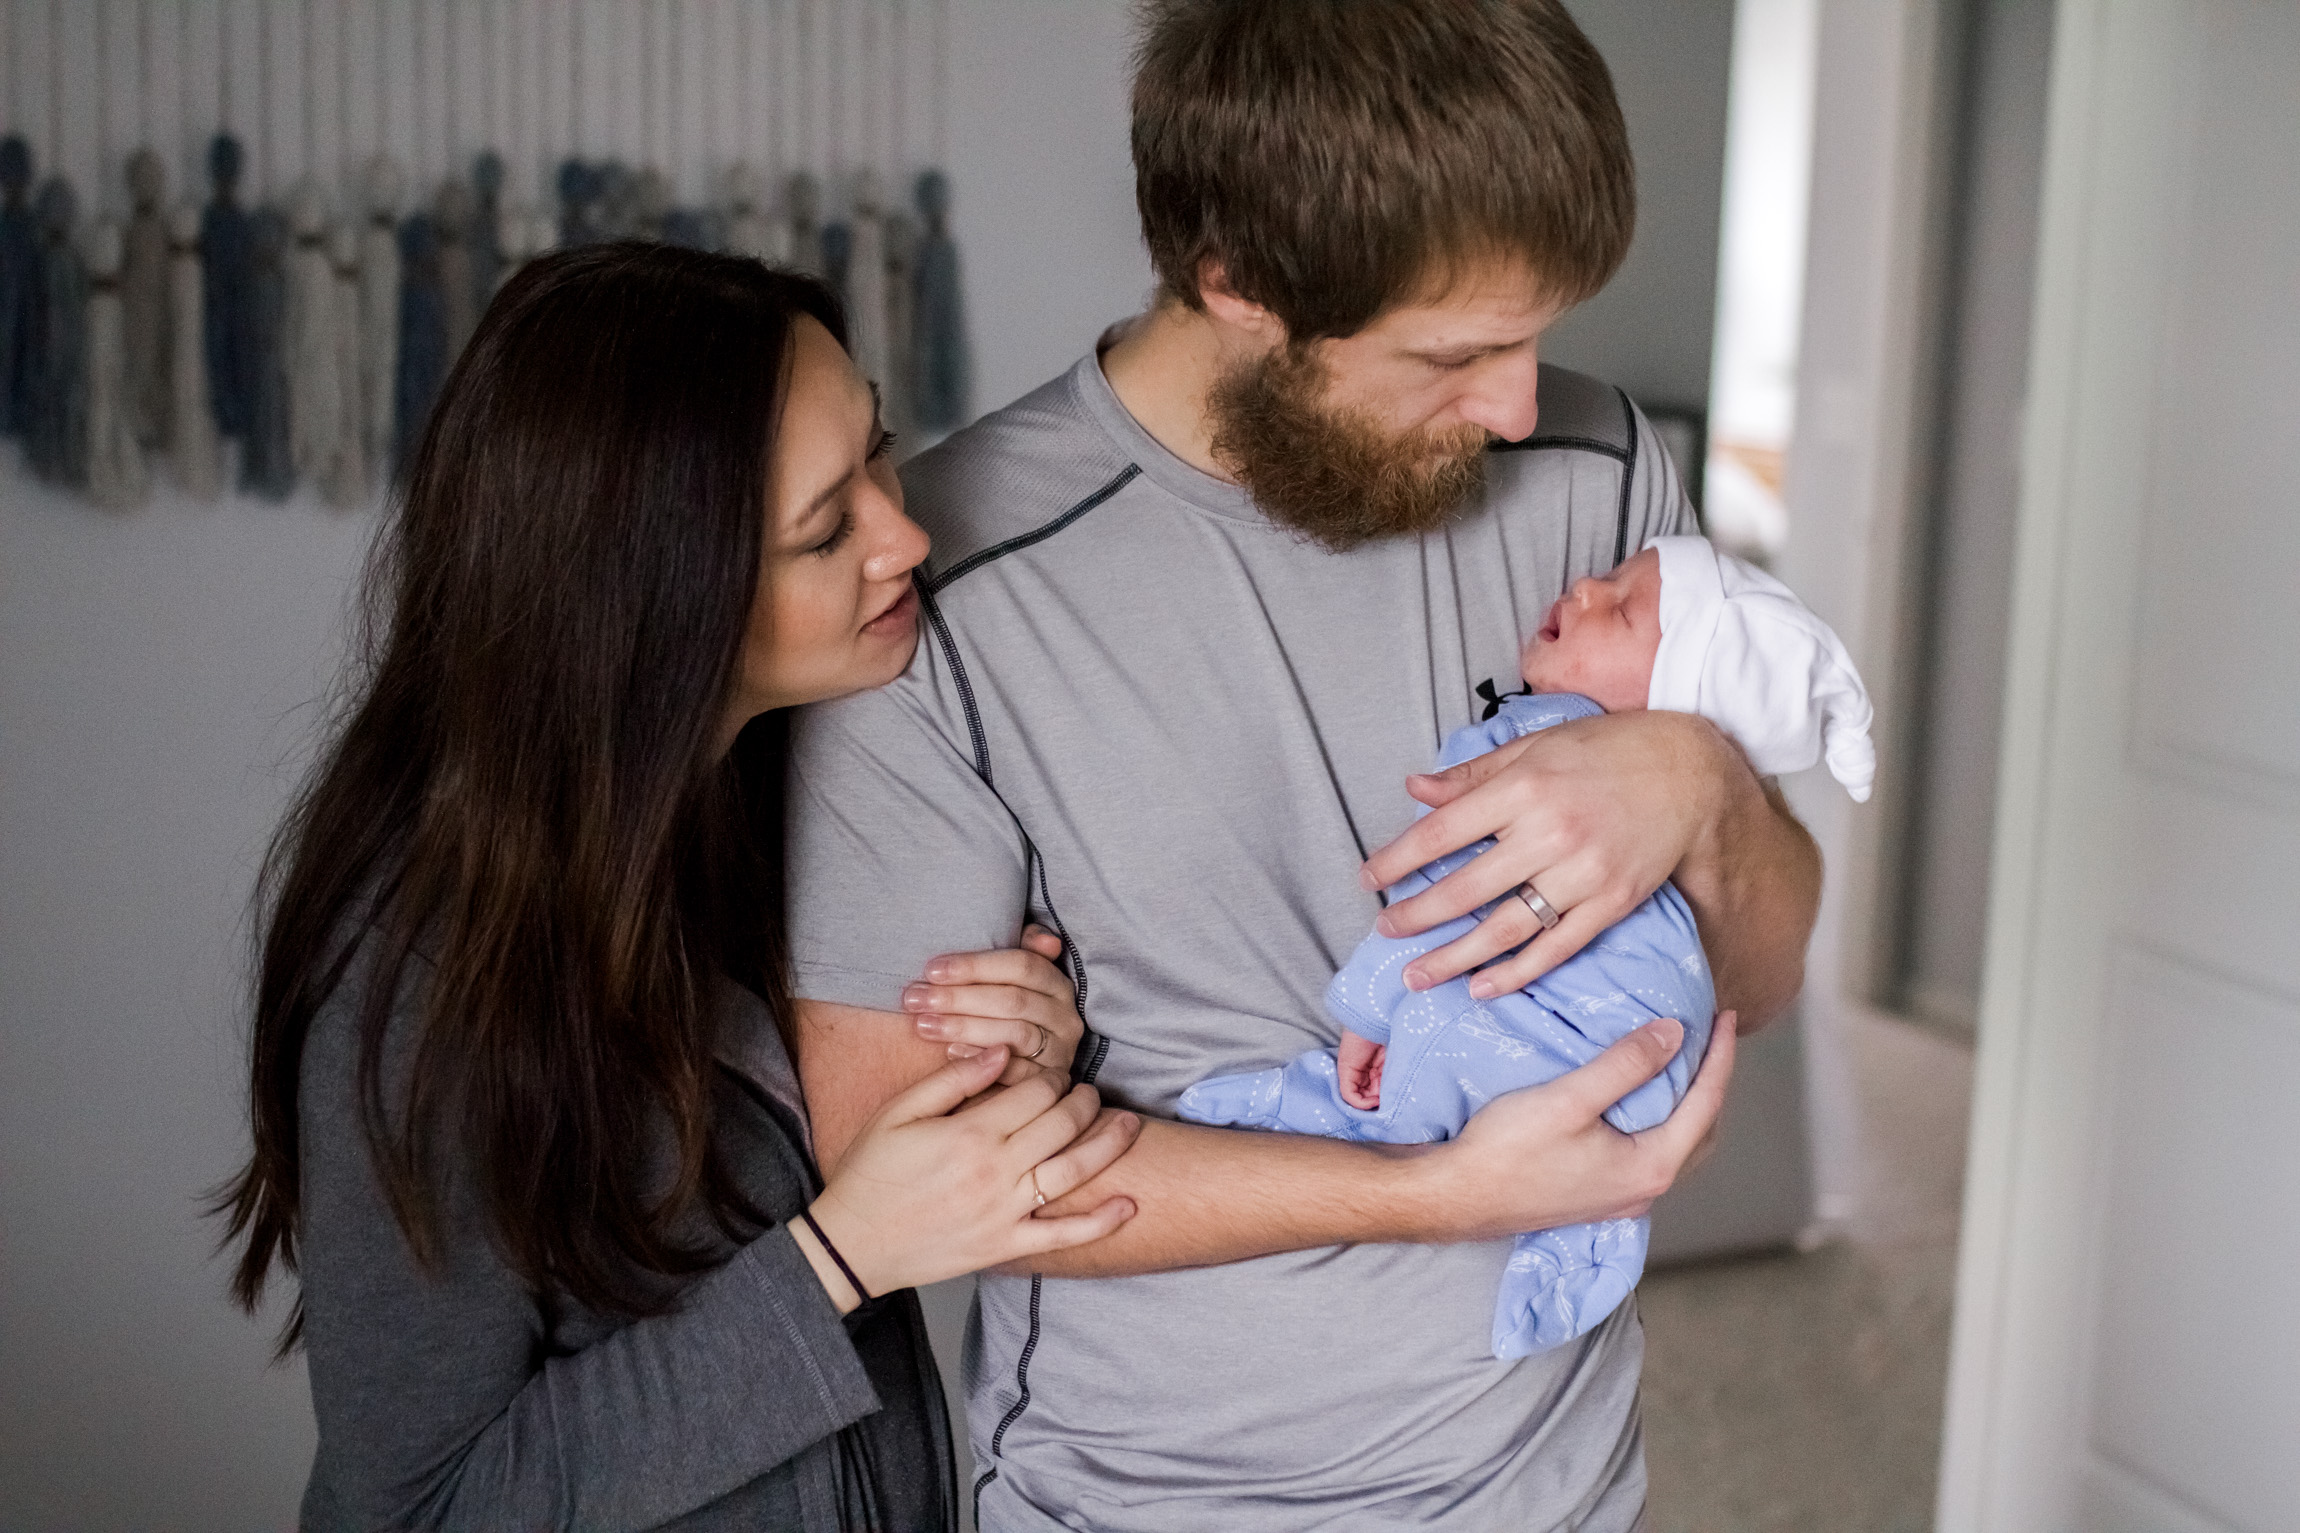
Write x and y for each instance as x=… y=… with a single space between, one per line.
x=2127 y=1349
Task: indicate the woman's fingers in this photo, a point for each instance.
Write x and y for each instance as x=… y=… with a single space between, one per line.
x=1060 y=1234
x=1111 y=1134
x=1027 y=968
x=944 y=1090
x=986 y=1000
x=1029 y=1040
x=1015 y=1104
x=1055 y=1129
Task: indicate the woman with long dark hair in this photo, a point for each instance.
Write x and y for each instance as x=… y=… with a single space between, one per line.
x=525 y=1128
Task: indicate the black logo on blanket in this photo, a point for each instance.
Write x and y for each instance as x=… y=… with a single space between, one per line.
x=1494 y=700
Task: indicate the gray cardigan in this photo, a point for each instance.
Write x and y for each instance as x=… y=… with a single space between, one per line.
x=462 y=1400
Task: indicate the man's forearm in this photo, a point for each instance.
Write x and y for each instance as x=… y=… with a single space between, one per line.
x=1204 y=1195
x=1754 y=882
x=1209 y=1195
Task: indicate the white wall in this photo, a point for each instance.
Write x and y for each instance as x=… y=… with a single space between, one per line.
x=157 y=676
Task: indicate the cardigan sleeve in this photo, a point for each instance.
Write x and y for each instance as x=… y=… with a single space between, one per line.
x=444 y=1402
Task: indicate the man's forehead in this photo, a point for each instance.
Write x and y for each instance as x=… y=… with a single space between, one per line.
x=1491 y=302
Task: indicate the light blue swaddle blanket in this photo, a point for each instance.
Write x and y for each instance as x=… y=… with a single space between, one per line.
x=1449 y=1054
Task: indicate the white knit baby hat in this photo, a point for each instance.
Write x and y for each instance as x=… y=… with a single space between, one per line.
x=1738 y=648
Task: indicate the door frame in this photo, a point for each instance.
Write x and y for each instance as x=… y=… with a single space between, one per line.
x=2013 y=1455
x=1859 y=476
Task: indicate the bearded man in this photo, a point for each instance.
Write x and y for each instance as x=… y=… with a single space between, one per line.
x=1197 y=611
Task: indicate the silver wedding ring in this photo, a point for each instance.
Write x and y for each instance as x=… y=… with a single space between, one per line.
x=1043 y=1037
x=1543 y=910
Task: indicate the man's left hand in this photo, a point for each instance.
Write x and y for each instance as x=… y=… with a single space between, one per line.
x=1596 y=813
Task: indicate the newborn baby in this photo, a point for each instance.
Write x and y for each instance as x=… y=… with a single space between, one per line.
x=1682 y=627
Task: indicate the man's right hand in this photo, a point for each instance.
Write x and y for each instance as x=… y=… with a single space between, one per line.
x=1545 y=1156
x=1533 y=1159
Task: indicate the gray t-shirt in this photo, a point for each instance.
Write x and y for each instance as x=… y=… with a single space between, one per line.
x=1147 y=717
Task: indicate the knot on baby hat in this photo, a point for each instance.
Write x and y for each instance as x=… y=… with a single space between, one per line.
x=1738 y=648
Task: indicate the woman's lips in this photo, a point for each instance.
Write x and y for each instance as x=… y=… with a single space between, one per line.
x=895 y=615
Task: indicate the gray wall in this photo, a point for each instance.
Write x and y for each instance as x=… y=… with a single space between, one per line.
x=1650 y=330
x=1944 y=909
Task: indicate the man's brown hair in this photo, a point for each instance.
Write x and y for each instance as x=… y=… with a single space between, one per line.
x=1338 y=157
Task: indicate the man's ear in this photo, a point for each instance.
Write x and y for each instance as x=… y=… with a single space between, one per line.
x=1225 y=307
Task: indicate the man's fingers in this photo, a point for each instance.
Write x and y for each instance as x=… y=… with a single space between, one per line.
x=1624 y=1067
x=1446 y=829
x=1458 y=824
x=942 y=1091
x=1697 y=1115
x=1478 y=882
x=1435 y=788
x=1545 y=951
x=1438 y=789
x=1509 y=925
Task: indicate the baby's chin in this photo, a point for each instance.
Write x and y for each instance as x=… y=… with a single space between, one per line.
x=1537 y=674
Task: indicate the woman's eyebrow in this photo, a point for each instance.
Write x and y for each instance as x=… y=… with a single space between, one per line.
x=824 y=497
x=831 y=491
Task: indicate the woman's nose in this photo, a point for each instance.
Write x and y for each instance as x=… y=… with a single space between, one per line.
x=902 y=546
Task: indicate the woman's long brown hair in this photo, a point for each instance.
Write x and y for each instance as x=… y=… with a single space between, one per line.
x=524 y=821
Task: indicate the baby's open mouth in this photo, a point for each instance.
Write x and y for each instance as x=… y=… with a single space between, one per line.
x=1549 y=630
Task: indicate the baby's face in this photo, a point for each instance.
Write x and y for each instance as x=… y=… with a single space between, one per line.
x=1600 y=638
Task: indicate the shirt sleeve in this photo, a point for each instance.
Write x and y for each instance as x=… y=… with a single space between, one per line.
x=440 y=1405
x=895 y=847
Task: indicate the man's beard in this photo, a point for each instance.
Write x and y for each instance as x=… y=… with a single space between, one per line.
x=1334 y=475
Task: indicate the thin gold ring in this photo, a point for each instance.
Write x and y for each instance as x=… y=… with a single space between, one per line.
x=1044 y=1037
x=1039 y=1191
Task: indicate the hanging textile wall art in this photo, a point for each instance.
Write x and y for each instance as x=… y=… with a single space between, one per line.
x=241 y=241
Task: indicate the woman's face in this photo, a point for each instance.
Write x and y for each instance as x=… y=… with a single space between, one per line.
x=835 y=611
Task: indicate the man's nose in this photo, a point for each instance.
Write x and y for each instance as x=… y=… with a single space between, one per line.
x=1502 y=400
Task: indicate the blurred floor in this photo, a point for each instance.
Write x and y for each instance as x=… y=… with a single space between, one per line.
x=1803 y=1391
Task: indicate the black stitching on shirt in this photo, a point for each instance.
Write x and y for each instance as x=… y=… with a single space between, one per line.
x=1628 y=478
x=1625 y=456
x=976 y=561
x=949 y=648
x=1564 y=444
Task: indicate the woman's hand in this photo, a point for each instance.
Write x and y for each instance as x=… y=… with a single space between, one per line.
x=934 y=1189
x=1013 y=997
x=1588 y=1169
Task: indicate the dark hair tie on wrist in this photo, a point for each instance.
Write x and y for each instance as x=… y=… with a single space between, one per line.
x=860 y=1292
